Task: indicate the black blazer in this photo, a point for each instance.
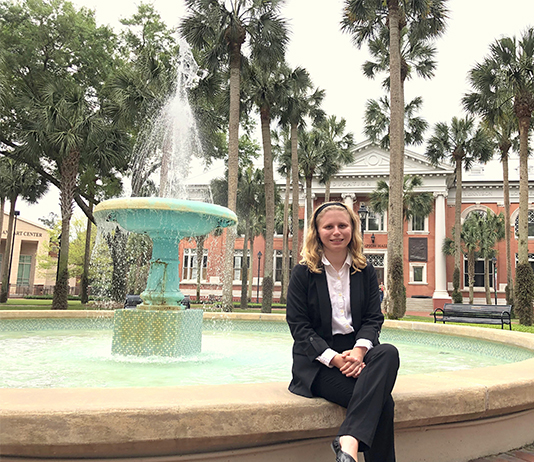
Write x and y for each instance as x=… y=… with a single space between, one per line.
x=309 y=315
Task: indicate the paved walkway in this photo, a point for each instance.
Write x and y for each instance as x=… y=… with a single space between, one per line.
x=525 y=454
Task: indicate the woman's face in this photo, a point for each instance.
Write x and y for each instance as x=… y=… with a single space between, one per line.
x=335 y=230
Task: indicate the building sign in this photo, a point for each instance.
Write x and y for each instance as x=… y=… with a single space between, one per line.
x=24 y=233
x=417 y=248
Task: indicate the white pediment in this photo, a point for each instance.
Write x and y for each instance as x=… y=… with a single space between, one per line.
x=371 y=160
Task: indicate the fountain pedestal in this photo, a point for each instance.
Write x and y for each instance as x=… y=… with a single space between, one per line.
x=140 y=332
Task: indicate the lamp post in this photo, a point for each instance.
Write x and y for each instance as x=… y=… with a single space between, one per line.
x=362 y=213
x=258 y=287
x=494 y=260
x=16 y=213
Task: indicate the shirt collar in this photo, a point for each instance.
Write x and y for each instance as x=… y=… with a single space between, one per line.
x=348 y=260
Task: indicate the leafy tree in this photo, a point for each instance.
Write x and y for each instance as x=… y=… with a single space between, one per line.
x=218 y=30
x=17 y=180
x=463 y=143
x=59 y=61
x=368 y=21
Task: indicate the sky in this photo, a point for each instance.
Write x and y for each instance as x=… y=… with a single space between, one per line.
x=335 y=64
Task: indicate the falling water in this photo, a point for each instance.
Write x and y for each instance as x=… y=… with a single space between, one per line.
x=163 y=156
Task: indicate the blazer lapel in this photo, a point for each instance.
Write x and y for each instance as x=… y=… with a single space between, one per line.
x=356 y=299
x=325 y=307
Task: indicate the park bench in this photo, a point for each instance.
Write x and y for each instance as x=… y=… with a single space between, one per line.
x=481 y=314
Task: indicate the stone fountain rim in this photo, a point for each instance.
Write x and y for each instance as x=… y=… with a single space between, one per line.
x=167 y=204
x=187 y=420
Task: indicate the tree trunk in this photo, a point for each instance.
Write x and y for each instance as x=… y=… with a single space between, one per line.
x=487 y=281
x=244 y=266
x=522 y=245
x=251 y=269
x=117 y=248
x=6 y=260
x=507 y=234
x=327 y=190
x=458 y=217
x=396 y=174
x=84 y=295
x=2 y=205
x=268 y=276
x=200 y=263
x=69 y=175
x=233 y=168
x=471 y=275
x=295 y=193
x=524 y=274
x=309 y=204
x=285 y=244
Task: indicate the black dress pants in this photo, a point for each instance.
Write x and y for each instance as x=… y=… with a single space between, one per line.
x=367 y=398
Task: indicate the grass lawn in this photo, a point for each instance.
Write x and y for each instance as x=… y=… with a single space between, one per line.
x=39 y=304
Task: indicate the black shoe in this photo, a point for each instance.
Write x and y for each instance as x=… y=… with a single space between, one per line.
x=341 y=456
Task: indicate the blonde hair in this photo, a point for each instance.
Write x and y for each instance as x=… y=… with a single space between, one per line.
x=312 y=251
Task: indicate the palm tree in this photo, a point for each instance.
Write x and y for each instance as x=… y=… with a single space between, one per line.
x=492 y=231
x=250 y=204
x=311 y=158
x=414 y=203
x=463 y=143
x=378 y=118
x=510 y=68
x=219 y=29
x=282 y=149
x=267 y=90
x=496 y=108
x=18 y=180
x=299 y=104
x=339 y=145
x=470 y=239
x=368 y=20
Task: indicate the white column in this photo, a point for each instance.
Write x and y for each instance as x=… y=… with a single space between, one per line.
x=440 y=262
x=348 y=199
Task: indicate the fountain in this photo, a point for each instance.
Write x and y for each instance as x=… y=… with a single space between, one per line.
x=161 y=326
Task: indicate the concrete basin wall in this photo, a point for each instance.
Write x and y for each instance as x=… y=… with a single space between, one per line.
x=445 y=416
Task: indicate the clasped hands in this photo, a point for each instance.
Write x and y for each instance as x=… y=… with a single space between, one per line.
x=350 y=362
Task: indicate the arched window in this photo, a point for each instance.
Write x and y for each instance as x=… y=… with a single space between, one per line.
x=530 y=224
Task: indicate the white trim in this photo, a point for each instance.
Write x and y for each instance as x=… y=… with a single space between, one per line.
x=418 y=265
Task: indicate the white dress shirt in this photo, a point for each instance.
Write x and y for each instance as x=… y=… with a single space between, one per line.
x=339 y=290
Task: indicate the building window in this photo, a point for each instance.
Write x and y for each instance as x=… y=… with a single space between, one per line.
x=24 y=272
x=374 y=222
x=238 y=263
x=278 y=263
x=378 y=261
x=479 y=273
x=530 y=224
x=418 y=223
x=417 y=273
x=190 y=265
